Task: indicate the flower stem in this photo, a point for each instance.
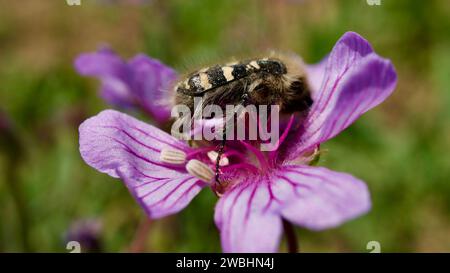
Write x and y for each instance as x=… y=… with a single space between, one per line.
x=291 y=237
x=140 y=237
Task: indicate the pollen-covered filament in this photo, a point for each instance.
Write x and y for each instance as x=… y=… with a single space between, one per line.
x=172 y=156
x=194 y=167
x=200 y=170
x=201 y=161
x=223 y=159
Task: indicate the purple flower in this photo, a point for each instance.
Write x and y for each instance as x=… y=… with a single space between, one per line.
x=87 y=233
x=259 y=189
x=142 y=81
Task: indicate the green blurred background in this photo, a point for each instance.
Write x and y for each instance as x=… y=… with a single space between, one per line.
x=400 y=148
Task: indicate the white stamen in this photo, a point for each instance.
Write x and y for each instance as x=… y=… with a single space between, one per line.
x=213 y=157
x=200 y=170
x=172 y=156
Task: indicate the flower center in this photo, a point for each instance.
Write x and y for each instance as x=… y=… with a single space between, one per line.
x=241 y=158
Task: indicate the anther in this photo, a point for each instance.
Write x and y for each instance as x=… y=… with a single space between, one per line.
x=200 y=170
x=172 y=156
x=213 y=157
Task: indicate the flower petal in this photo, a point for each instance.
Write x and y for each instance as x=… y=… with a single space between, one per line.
x=152 y=80
x=102 y=63
x=143 y=81
x=113 y=72
x=162 y=197
x=317 y=198
x=121 y=146
x=247 y=219
x=355 y=81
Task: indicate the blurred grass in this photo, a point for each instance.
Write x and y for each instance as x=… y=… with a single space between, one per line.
x=400 y=149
